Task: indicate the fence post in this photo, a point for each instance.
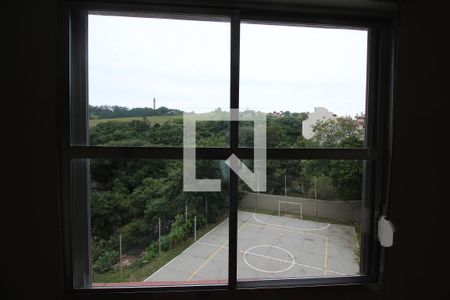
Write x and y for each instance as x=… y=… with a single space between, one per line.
x=315 y=196
x=195 y=228
x=120 y=257
x=159 y=235
x=257 y=199
x=285 y=191
x=279 y=208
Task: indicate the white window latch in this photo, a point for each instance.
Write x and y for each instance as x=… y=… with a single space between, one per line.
x=385 y=232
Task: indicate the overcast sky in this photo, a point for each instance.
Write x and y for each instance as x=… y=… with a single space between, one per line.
x=185 y=65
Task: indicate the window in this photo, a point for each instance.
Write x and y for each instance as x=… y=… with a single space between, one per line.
x=137 y=74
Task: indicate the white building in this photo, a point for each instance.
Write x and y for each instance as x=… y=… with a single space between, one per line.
x=361 y=121
x=319 y=114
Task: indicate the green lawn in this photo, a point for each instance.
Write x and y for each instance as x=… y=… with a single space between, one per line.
x=140 y=269
x=152 y=119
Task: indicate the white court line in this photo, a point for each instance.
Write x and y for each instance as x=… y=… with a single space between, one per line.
x=246 y=252
x=289 y=227
x=259 y=221
x=192 y=245
x=289 y=262
x=214 y=245
x=277 y=259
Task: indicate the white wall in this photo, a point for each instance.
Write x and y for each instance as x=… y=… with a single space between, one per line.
x=340 y=211
x=319 y=114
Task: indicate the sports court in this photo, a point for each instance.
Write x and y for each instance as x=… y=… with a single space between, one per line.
x=270 y=247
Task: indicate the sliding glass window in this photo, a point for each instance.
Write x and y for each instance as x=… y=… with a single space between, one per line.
x=287 y=168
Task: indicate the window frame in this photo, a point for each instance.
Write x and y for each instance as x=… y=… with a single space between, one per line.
x=76 y=151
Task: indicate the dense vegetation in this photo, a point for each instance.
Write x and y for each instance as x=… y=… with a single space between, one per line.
x=130 y=196
x=111 y=112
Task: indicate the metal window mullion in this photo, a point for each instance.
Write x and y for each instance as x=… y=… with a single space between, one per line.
x=218 y=153
x=234 y=144
x=79 y=114
x=369 y=165
x=79 y=168
x=384 y=138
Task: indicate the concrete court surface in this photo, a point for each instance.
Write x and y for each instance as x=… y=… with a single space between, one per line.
x=270 y=247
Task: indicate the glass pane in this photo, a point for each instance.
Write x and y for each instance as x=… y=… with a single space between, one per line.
x=306 y=224
x=310 y=81
x=146 y=231
x=145 y=73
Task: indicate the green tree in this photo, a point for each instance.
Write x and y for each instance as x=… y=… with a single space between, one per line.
x=337 y=133
x=347 y=178
x=135 y=235
x=323 y=187
x=105 y=261
x=108 y=211
x=344 y=176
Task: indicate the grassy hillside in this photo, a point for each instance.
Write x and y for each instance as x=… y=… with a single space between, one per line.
x=152 y=119
x=140 y=269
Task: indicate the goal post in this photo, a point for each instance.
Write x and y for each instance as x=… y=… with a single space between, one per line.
x=285 y=207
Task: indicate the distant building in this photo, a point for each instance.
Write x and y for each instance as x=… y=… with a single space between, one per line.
x=319 y=114
x=154 y=102
x=361 y=121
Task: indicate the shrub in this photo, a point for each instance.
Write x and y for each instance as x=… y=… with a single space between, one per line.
x=180 y=229
x=325 y=189
x=105 y=261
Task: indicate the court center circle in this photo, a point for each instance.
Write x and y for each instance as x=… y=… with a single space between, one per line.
x=249 y=252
